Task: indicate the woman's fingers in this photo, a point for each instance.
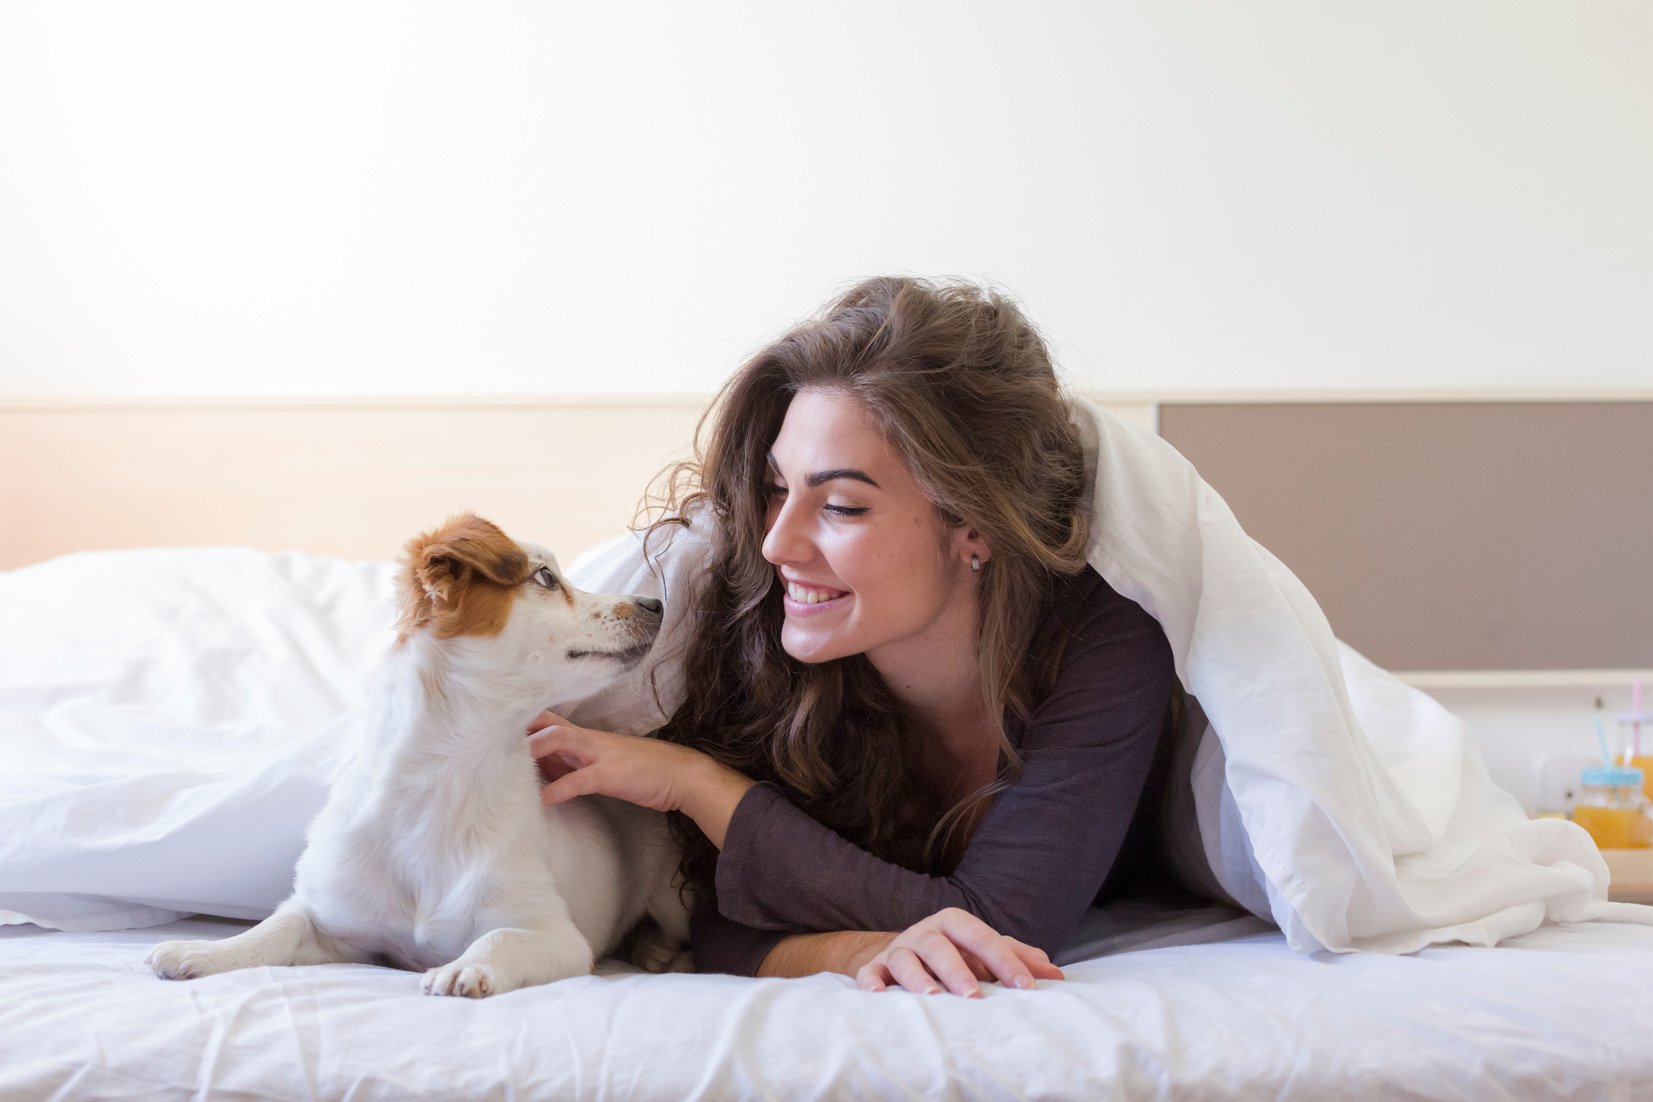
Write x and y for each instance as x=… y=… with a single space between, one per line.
x=1002 y=962
x=927 y=966
x=997 y=953
x=944 y=961
x=579 y=782
x=554 y=767
x=954 y=951
x=560 y=752
x=568 y=759
x=1013 y=963
x=873 y=976
x=1037 y=960
x=909 y=971
x=573 y=744
x=545 y=719
x=977 y=968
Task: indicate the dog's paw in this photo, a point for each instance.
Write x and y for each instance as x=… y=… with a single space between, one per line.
x=185 y=960
x=656 y=951
x=473 y=981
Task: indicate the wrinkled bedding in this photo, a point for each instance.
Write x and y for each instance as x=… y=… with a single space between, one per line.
x=1551 y=1014
x=169 y=721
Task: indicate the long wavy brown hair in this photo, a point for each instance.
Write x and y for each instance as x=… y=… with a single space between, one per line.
x=963 y=389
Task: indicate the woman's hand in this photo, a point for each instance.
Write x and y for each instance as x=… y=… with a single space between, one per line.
x=953 y=950
x=578 y=761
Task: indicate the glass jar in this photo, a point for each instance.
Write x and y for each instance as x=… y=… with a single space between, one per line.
x=1632 y=726
x=1613 y=808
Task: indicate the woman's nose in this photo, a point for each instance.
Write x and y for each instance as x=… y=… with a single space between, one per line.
x=783 y=542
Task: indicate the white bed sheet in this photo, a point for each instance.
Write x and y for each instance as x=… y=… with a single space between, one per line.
x=1563 y=1012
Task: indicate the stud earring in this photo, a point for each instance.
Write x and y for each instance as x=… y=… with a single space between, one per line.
x=975 y=565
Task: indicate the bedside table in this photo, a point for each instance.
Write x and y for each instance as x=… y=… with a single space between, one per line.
x=1632 y=872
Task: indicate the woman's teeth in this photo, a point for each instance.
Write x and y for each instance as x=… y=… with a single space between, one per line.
x=810 y=596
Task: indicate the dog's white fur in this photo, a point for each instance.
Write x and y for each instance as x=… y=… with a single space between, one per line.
x=433 y=850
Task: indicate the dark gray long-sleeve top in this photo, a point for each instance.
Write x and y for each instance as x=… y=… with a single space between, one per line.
x=1042 y=852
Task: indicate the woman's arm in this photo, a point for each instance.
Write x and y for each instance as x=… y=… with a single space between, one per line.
x=951 y=950
x=845 y=952
x=577 y=761
x=1046 y=843
x=968 y=953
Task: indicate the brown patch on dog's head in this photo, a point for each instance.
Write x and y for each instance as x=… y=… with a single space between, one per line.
x=457 y=580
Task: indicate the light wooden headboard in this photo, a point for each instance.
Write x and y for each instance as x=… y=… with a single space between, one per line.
x=348 y=477
x=354 y=478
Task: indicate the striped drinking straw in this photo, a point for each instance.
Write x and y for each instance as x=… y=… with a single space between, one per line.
x=1636 y=710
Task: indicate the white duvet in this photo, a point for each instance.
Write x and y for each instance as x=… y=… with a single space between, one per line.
x=169 y=720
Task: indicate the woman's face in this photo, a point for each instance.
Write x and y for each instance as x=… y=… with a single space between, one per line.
x=866 y=563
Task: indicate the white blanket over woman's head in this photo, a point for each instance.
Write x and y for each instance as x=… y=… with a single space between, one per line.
x=167 y=758
x=1350 y=807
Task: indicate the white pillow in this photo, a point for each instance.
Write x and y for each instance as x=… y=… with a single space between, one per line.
x=169 y=719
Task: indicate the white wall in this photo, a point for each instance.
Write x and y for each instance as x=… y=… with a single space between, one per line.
x=413 y=197
x=1536 y=738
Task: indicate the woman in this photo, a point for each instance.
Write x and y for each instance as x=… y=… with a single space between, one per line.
x=918 y=727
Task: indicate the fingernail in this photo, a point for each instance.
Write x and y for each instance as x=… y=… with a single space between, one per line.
x=973 y=993
x=1024 y=982
x=932 y=990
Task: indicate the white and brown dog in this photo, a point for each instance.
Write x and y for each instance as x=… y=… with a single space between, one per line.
x=433 y=851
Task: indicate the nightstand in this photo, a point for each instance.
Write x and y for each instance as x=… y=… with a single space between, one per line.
x=1632 y=872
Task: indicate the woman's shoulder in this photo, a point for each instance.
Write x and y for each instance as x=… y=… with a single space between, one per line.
x=1096 y=652
x=1084 y=606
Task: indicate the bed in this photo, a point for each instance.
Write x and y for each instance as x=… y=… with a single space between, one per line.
x=169 y=717
x=1560 y=1013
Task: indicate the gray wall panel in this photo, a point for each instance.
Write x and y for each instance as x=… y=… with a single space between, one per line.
x=1450 y=535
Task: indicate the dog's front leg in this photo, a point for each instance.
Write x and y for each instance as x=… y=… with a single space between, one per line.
x=287 y=937
x=508 y=958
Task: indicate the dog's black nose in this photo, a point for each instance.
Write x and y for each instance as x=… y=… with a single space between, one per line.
x=649 y=604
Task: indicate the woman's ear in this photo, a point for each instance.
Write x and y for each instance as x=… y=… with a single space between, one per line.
x=973 y=548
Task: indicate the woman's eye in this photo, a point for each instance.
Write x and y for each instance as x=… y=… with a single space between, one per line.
x=544 y=577
x=775 y=493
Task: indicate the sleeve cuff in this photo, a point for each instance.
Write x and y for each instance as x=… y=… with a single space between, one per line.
x=736 y=866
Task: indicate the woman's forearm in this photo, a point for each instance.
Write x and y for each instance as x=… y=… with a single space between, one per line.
x=712 y=792
x=806 y=954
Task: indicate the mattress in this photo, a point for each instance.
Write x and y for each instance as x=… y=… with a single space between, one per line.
x=1559 y=1013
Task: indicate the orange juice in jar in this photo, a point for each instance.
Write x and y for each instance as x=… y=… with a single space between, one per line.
x=1644 y=762
x=1630 y=737
x=1613 y=808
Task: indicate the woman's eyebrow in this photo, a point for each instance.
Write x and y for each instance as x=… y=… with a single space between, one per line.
x=819 y=477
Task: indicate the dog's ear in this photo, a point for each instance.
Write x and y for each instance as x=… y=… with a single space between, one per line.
x=458 y=578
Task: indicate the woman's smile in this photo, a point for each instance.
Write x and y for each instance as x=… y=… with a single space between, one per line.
x=807 y=599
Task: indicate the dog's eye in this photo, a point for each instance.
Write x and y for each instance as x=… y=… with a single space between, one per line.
x=544 y=576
